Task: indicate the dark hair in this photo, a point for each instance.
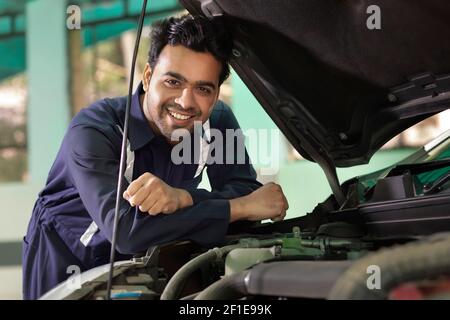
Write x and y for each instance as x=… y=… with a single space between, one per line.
x=196 y=33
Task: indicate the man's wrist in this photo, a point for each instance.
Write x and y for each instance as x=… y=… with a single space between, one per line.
x=237 y=210
x=185 y=199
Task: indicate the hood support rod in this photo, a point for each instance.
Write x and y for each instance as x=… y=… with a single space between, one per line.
x=333 y=180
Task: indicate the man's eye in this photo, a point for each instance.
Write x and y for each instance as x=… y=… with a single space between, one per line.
x=204 y=90
x=172 y=83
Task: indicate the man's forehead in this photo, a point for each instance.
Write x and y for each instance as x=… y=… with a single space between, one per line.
x=192 y=65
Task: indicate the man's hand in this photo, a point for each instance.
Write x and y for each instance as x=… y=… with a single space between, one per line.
x=267 y=202
x=154 y=196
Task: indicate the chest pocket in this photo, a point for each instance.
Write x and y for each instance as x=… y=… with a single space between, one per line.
x=86 y=237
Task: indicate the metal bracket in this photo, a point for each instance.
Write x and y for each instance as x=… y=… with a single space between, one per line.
x=421 y=85
x=211 y=9
x=151 y=257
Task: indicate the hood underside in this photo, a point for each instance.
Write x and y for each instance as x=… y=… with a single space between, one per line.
x=337 y=89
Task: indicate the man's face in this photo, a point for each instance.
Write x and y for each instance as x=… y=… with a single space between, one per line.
x=182 y=88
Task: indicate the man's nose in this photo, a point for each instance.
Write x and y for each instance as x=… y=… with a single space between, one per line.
x=186 y=99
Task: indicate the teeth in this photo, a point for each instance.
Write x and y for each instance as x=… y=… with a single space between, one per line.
x=179 y=116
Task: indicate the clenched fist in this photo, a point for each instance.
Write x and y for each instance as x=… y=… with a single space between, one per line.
x=154 y=196
x=267 y=202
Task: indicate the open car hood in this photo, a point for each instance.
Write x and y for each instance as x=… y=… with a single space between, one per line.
x=337 y=90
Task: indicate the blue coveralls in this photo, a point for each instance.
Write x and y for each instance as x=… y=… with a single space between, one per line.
x=72 y=219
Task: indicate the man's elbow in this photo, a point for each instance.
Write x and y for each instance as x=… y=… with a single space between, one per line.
x=125 y=248
x=126 y=245
x=130 y=243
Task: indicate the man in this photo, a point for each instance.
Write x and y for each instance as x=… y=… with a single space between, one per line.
x=73 y=217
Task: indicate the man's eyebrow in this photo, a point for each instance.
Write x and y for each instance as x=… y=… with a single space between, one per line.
x=176 y=76
x=206 y=84
x=179 y=77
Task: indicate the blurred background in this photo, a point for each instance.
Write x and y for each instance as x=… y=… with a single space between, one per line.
x=49 y=72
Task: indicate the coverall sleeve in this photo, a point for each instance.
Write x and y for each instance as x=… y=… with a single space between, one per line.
x=229 y=181
x=93 y=162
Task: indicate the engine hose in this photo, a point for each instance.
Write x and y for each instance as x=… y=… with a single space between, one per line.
x=176 y=284
x=228 y=288
x=417 y=260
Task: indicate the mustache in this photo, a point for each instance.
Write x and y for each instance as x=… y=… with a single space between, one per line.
x=174 y=107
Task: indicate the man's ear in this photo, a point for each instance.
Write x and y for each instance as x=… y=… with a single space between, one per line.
x=215 y=101
x=146 y=76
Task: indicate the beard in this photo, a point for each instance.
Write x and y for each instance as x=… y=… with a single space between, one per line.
x=161 y=119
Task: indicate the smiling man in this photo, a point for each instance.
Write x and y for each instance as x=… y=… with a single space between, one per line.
x=72 y=221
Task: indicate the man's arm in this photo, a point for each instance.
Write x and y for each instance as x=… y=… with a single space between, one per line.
x=93 y=161
x=153 y=196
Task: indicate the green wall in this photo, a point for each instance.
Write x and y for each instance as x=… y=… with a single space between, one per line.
x=48 y=110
